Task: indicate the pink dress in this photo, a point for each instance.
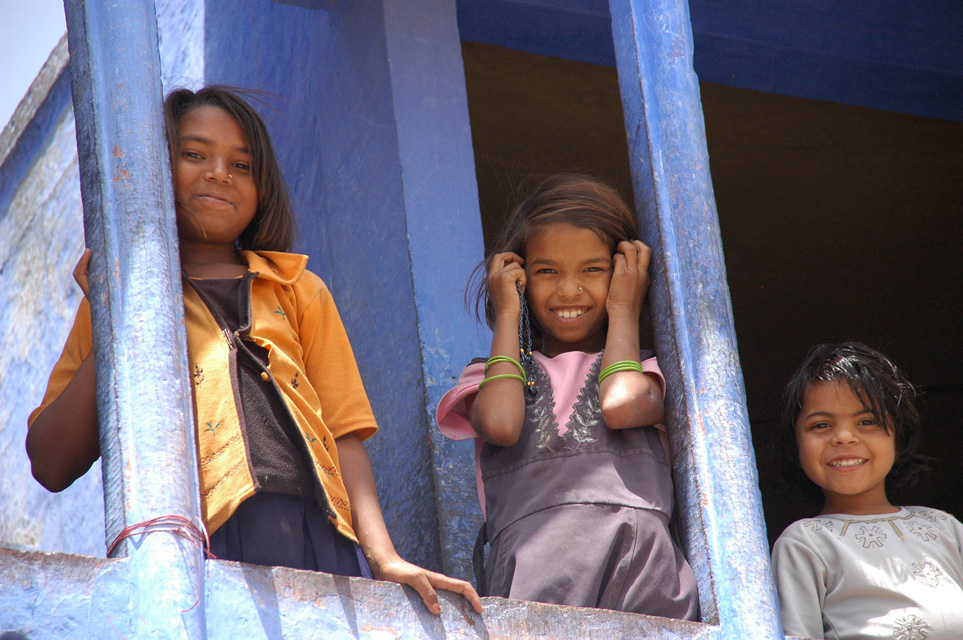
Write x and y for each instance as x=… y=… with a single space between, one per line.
x=576 y=513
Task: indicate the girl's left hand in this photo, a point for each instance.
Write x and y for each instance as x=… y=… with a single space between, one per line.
x=630 y=278
x=425 y=582
x=80 y=272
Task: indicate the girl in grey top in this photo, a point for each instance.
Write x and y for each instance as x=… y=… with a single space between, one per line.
x=863 y=568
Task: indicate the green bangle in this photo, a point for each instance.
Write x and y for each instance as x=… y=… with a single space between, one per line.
x=497 y=359
x=501 y=375
x=616 y=367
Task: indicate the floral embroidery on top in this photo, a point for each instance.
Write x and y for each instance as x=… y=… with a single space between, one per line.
x=280 y=312
x=927 y=573
x=871 y=537
x=540 y=410
x=587 y=413
x=213 y=427
x=921 y=530
x=818 y=525
x=910 y=628
x=932 y=515
x=198 y=375
x=890 y=520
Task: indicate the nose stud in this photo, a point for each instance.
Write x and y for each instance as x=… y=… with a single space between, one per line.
x=580 y=289
x=230 y=176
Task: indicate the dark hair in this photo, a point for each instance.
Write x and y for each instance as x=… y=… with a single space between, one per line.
x=579 y=200
x=882 y=388
x=273 y=226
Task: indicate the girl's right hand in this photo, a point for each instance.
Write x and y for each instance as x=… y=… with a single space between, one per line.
x=505 y=270
x=80 y=272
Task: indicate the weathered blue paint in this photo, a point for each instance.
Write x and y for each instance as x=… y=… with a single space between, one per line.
x=146 y=418
x=32 y=130
x=180 y=35
x=904 y=56
x=64 y=597
x=41 y=236
x=714 y=467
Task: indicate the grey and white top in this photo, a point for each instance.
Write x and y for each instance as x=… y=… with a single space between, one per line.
x=896 y=576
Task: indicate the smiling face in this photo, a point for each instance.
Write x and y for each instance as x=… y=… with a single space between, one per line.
x=845 y=450
x=214 y=190
x=568 y=270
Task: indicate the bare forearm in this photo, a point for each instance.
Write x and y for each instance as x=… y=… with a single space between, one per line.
x=499 y=409
x=369 y=523
x=369 y=526
x=63 y=441
x=629 y=398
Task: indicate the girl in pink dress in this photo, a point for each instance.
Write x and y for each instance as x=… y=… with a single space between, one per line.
x=575 y=479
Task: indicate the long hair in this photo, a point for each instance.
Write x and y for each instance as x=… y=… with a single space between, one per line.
x=882 y=388
x=273 y=226
x=575 y=199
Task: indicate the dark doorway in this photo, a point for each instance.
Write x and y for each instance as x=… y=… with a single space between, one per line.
x=838 y=223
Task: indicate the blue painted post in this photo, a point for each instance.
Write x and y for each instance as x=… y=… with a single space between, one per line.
x=444 y=237
x=146 y=419
x=714 y=466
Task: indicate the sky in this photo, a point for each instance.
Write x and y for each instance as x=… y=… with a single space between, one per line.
x=29 y=30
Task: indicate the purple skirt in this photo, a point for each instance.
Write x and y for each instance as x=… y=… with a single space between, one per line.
x=279 y=530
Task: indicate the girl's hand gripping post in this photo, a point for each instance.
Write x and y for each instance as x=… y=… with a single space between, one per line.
x=80 y=272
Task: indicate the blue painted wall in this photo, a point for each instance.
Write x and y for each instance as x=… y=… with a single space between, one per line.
x=376 y=150
x=42 y=237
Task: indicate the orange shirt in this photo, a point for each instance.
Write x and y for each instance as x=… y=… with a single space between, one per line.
x=310 y=361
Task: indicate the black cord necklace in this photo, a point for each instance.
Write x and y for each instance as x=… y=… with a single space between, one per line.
x=525 y=342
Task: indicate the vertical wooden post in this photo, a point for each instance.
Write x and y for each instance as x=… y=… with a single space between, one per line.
x=714 y=466
x=146 y=419
x=444 y=238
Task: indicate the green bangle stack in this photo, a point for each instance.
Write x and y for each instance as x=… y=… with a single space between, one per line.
x=497 y=359
x=621 y=365
x=501 y=375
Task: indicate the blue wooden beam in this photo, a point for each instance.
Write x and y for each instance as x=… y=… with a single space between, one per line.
x=325 y=5
x=572 y=29
x=146 y=417
x=889 y=54
x=714 y=467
